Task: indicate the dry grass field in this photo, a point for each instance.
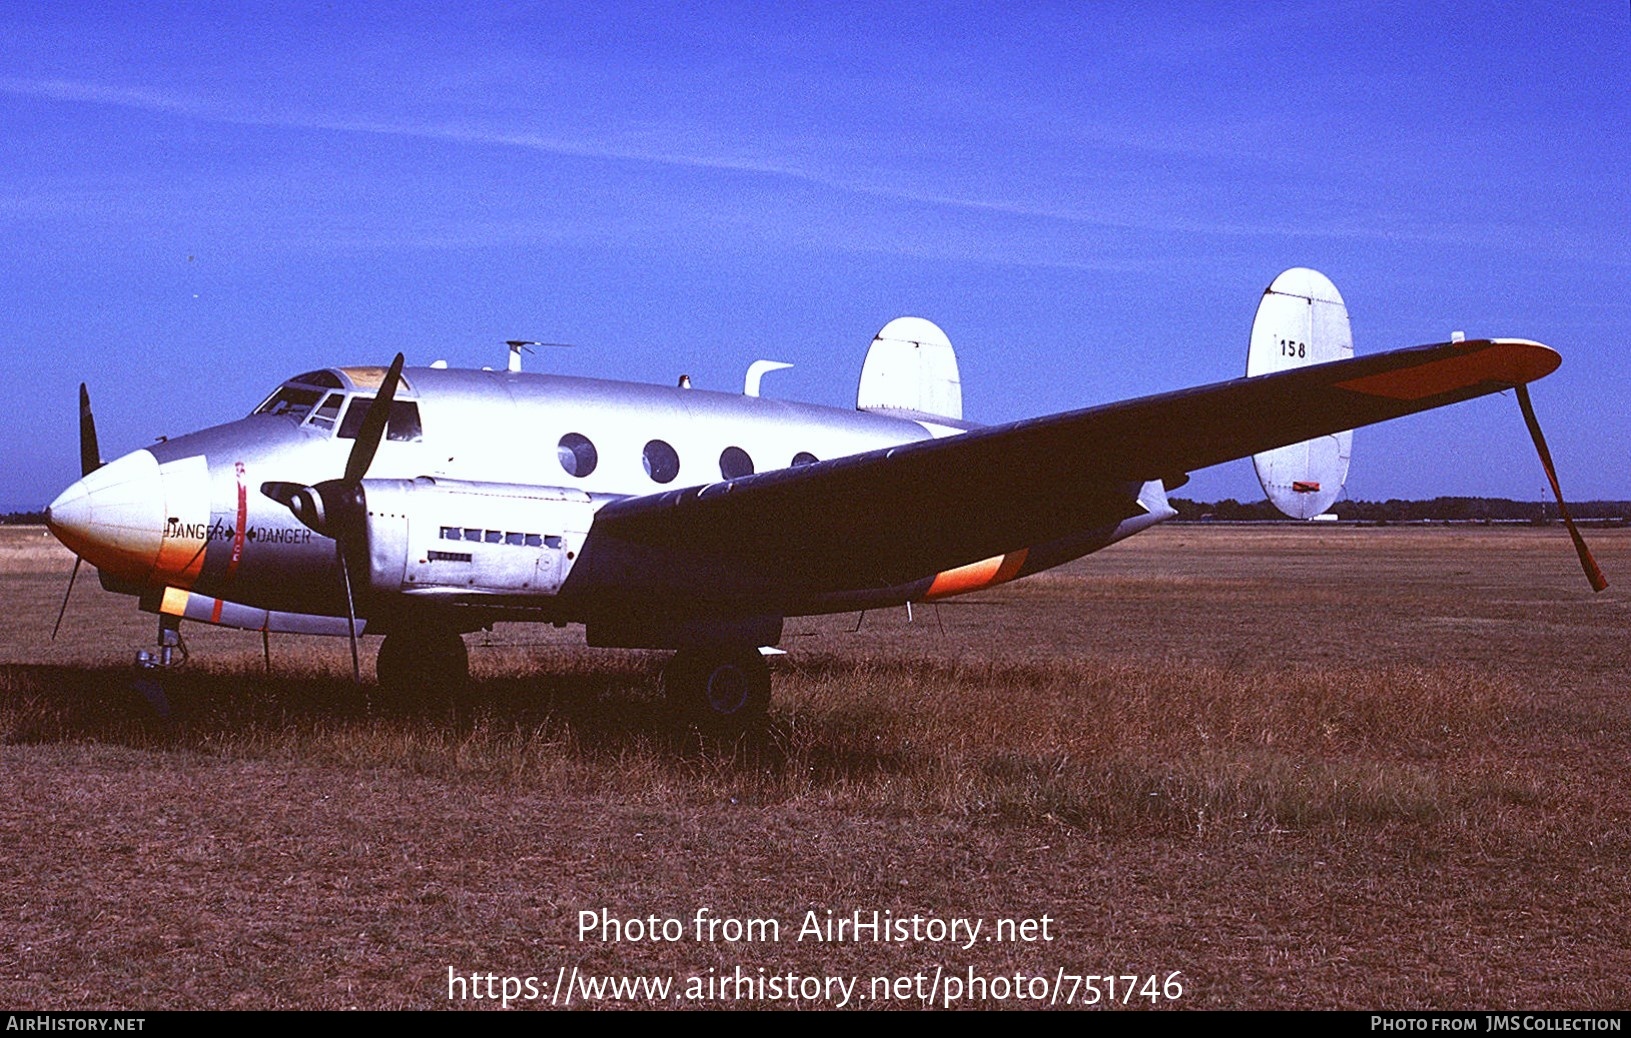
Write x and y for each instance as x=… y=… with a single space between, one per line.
x=1307 y=767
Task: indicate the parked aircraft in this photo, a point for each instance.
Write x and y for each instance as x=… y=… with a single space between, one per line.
x=424 y=503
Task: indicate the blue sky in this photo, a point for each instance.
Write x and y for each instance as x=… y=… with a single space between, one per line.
x=199 y=200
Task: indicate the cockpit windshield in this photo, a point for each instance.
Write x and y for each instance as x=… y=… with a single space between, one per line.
x=306 y=398
x=327 y=412
x=294 y=401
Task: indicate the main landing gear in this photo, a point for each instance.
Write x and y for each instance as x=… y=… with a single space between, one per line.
x=719 y=690
x=418 y=664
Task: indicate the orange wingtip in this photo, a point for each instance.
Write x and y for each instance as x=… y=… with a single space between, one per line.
x=1512 y=361
x=976 y=575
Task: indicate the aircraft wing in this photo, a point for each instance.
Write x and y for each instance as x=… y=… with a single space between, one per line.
x=898 y=514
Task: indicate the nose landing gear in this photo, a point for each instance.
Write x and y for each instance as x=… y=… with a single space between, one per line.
x=169 y=644
x=151 y=665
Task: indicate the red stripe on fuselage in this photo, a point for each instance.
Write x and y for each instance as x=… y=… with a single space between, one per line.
x=238 y=530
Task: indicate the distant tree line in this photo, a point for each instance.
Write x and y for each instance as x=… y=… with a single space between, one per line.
x=1439 y=509
x=23 y=519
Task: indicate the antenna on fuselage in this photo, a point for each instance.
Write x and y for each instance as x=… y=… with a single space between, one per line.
x=517 y=345
x=756 y=373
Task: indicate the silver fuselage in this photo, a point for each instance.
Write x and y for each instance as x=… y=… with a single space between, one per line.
x=481 y=505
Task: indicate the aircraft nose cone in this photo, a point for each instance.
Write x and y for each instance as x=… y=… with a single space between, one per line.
x=70 y=513
x=114 y=517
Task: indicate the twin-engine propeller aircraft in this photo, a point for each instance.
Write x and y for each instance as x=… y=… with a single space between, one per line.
x=424 y=503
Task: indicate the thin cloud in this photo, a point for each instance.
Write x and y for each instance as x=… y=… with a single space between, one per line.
x=164 y=102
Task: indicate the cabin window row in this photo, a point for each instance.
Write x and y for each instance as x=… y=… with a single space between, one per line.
x=579 y=457
x=577 y=453
x=480 y=536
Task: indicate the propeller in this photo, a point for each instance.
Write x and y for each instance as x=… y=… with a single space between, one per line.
x=1594 y=575
x=90 y=459
x=335 y=508
x=72 y=576
x=90 y=455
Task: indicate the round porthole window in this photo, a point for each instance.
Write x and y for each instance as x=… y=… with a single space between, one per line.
x=577 y=454
x=662 y=463
x=735 y=463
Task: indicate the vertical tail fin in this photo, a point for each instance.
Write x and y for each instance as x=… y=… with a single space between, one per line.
x=1300 y=321
x=911 y=367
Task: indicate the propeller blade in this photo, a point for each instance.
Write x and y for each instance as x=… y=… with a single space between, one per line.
x=281 y=492
x=65 y=594
x=1593 y=574
x=373 y=425
x=90 y=455
x=350 y=610
x=335 y=507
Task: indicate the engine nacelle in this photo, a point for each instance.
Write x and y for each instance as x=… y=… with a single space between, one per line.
x=439 y=536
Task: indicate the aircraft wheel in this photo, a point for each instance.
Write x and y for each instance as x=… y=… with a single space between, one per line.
x=418 y=664
x=719 y=690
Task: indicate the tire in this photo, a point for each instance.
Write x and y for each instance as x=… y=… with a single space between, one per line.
x=420 y=665
x=722 y=691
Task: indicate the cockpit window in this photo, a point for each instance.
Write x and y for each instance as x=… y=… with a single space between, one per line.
x=403 y=427
x=321 y=379
x=327 y=411
x=290 y=400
